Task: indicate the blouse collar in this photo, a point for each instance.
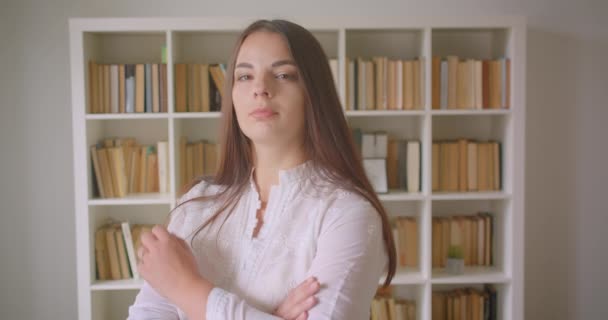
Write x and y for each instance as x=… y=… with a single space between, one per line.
x=289 y=176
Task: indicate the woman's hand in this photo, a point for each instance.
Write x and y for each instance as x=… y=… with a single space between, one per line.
x=299 y=301
x=168 y=265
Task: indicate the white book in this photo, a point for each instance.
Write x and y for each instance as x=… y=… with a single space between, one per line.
x=368 y=149
x=126 y=231
x=413 y=166
x=380 y=145
x=399 y=102
x=114 y=88
x=333 y=64
x=130 y=88
x=162 y=148
x=375 y=169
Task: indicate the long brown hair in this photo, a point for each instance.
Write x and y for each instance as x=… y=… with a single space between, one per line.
x=328 y=141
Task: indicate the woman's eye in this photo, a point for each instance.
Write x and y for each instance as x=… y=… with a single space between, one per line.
x=285 y=76
x=243 y=77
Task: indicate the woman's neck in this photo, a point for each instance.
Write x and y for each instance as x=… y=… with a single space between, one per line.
x=269 y=161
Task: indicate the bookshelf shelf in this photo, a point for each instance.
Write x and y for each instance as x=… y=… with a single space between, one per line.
x=112 y=285
x=500 y=112
x=397 y=195
x=406 y=276
x=471 y=275
x=197 y=115
x=125 y=116
x=133 y=199
x=384 y=113
x=470 y=196
x=211 y=41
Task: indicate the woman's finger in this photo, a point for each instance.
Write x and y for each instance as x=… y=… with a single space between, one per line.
x=141 y=251
x=303 y=316
x=160 y=232
x=292 y=298
x=302 y=299
x=302 y=307
x=148 y=238
x=305 y=290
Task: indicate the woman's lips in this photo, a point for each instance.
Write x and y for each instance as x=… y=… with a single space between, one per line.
x=263 y=113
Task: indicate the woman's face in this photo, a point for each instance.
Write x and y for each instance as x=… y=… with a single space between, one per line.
x=268 y=93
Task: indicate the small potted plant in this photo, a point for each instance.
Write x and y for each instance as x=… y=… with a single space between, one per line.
x=455 y=262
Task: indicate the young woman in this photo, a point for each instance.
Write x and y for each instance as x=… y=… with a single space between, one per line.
x=290 y=227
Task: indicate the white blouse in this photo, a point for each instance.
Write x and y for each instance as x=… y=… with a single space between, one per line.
x=310 y=229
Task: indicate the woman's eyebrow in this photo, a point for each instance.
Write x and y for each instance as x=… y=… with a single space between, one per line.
x=244 y=65
x=274 y=65
x=283 y=62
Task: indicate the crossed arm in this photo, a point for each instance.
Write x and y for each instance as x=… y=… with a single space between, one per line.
x=349 y=260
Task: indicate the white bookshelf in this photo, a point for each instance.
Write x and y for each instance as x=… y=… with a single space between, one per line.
x=207 y=40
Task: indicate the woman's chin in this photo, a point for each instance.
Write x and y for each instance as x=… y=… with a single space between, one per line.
x=265 y=138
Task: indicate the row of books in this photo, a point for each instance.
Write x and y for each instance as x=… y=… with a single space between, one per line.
x=127 y=88
x=375 y=83
x=199 y=87
x=466 y=165
x=405 y=235
x=390 y=308
x=470 y=84
x=198 y=158
x=389 y=163
x=465 y=304
x=116 y=245
x=472 y=234
x=121 y=166
x=380 y=83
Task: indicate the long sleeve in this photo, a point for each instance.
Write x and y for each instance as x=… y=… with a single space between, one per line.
x=149 y=305
x=349 y=261
x=224 y=305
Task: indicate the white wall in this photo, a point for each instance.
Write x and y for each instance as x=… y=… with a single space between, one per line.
x=566 y=213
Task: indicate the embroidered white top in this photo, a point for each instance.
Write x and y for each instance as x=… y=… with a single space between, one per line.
x=310 y=229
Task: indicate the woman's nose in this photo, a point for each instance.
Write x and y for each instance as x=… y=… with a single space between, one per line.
x=261 y=87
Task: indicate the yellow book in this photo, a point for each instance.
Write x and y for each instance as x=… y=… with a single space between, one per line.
x=101 y=255
x=122 y=253
x=106 y=172
x=210 y=158
x=113 y=253
x=140 y=81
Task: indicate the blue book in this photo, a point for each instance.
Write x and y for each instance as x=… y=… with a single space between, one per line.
x=148 y=88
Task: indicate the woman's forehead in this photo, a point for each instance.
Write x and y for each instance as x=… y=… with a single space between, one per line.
x=263 y=47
